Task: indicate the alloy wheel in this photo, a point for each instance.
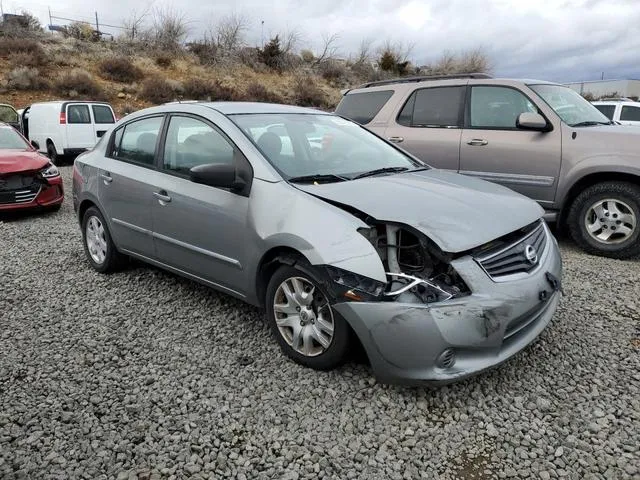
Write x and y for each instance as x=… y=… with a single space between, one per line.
x=303 y=316
x=96 y=240
x=610 y=221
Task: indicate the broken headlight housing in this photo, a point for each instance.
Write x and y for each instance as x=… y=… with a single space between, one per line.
x=50 y=171
x=353 y=282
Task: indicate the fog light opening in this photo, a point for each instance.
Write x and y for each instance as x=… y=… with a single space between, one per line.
x=446 y=359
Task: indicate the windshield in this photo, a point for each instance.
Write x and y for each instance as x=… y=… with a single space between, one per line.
x=303 y=145
x=570 y=106
x=11 y=140
x=8 y=114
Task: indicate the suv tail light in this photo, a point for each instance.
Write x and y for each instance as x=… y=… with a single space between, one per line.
x=63 y=118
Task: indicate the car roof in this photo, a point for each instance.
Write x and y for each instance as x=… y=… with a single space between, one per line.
x=238 y=108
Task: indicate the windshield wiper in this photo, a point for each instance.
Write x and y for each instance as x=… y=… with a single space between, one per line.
x=318 y=177
x=589 y=123
x=377 y=171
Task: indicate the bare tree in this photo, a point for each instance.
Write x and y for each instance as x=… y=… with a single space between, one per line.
x=363 y=55
x=229 y=33
x=329 y=48
x=133 y=25
x=289 y=41
x=170 y=27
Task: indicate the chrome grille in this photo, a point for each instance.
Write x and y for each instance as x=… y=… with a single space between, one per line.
x=18 y=189
x=517 y=256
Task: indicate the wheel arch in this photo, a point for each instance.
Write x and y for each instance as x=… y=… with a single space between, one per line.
x=589 y=180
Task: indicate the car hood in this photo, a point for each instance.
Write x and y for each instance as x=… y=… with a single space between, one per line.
x=606 y=140
x=458 y=213
x=16 y=161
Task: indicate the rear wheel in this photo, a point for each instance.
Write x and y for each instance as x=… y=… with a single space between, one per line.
x=98 y=245
x=303 y=321
x=604 y=219
x=52 y=153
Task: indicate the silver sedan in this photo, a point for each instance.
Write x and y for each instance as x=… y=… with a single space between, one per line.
x=339 y=235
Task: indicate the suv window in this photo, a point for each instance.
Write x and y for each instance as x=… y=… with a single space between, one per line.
x=102 y=114
x=78 y=114
x=498 y=107
x=433 y=107
x=631 y=114
x=191 y=142
x=136 y=141
x=607 y=110
x=363 y=107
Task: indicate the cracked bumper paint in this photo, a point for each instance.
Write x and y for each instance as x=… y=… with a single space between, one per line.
x=404 y=340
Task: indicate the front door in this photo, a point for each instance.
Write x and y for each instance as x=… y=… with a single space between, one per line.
x=79 y=131
x=199 y=229
x=494 y=149
x=127 y=184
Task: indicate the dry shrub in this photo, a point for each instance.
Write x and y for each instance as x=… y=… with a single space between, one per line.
x=79 y=82
x=199 y=89
x=306 y=93
x=24 y=59
x=120 y=69
x=333 y=71
x=256 y=92
x=15 y=45
x=163 y=60
x=26 y=78
x=158 y=90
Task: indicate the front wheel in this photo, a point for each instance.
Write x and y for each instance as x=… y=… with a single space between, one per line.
x=303 y=321
x=604 y=219
x=52 y=153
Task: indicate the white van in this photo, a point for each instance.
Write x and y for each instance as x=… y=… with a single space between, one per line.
x=66 y=127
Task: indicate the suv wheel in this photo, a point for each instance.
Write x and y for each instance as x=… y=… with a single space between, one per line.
x=303 y=321
x=604 y=219
x=98 y=246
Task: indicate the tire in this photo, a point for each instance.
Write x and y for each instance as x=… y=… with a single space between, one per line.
x=310 y=353
x=618 y=206
x=52 y=153
x=98 y=245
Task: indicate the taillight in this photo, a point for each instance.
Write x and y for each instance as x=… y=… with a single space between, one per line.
x=63 y=118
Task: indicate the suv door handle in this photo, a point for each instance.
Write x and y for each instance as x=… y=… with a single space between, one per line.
x=396 y=139
x=162 y=196
x=106 y=178
x=478 y=142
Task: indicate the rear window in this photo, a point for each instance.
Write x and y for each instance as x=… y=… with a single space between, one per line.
x=607 y=110
x=630 y=114
x=78 y=114
x=102 y=114
x=433 y=107
x=363 y=107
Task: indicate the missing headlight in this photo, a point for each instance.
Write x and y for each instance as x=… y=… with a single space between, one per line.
x=353 y=281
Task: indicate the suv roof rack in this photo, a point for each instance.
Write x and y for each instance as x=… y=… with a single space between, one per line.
x=616 y=99
x=422 y=78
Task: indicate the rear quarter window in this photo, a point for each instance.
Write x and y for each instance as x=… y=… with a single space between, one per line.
x=630 y=114
x=362 y=107
x=102 y=114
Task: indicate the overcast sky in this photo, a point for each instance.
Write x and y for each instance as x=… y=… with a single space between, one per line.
x=560 y=40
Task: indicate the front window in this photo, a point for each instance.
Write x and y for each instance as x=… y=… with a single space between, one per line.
x=11 y=140
x=8 y=114
x=303 y=145
x=570 y=106
x=498 y=107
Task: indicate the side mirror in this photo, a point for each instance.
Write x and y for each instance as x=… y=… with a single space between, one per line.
x=222 y=175
x=35 y=144
x=532 y=121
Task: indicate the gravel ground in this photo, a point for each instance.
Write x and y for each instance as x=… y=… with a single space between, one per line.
x=145 y=375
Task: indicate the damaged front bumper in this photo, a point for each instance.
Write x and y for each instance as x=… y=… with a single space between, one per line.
x=454 y=339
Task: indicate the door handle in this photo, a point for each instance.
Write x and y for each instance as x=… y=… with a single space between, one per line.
x=106 y=178
x=478 y=142
x=162 y=196
x=396 y=139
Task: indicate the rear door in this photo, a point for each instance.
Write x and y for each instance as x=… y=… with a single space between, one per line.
x=80 y=133
x=103 y=119
x=494 y=149
x=429 y=125
x=128 y=176
x=630 y=115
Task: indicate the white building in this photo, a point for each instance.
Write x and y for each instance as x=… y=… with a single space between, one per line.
x=607 y=88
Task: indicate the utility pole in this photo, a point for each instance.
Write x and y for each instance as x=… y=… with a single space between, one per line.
x=50 y=21
x=262 y=34
x=97 y=24
x=602 y=76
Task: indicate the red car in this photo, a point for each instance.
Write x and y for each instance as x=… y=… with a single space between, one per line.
x=27 y=178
